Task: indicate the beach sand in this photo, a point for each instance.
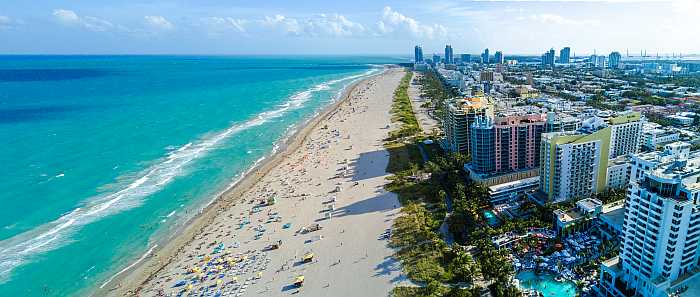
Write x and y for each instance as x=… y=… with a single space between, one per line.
x=427 y=123
x=334 y=176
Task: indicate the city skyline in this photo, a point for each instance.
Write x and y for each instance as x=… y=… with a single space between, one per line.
x=316 y=27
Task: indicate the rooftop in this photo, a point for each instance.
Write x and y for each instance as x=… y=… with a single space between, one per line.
x=615 y=217
x=527 y=182
x=589 y=204
x=566 y=216
x=612 y=264
x=468 y=103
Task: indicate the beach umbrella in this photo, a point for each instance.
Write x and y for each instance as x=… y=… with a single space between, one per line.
x=219 y=282
x=189 y=287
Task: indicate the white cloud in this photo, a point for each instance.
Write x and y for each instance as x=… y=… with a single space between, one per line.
x=96 y=24
x=5 y=22
x=334 y=25
x=66 y=16
x=395 y=23
x=547 y=18
x=219 y=25
x=321 y=25
x=158 y=22
x=69 y=17
x=288 y=25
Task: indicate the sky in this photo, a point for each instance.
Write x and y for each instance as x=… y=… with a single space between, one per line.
x=359 y=27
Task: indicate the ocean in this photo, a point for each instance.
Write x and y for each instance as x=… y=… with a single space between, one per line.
x=103 y=157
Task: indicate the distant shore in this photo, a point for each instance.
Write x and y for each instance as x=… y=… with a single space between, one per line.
x=131 y=281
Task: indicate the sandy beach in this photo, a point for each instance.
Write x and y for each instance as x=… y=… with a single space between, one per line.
x=427 y=123
x=333 y=177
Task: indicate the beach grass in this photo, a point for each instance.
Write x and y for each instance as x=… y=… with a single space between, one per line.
x=402 y=111
x=402 y=156
x=434 y=267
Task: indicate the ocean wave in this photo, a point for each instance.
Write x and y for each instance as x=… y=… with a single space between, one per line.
x=19 y=249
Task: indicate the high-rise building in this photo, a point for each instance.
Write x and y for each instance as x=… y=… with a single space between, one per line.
x=466 y=58
x=576 y=164
x=659 y=244
x=418 y=54
x=565 y=55
x=485 y=57
x=449 y=55
x=436 y=59
x=486 y=75
x=548 y=59
x=599 y=61
x=614 y=60
x=506 y=143
x=459 y=115
x=498 y=57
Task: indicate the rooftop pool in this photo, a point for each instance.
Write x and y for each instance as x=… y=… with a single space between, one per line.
x=546 y=284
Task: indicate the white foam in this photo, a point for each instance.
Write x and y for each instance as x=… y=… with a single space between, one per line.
x=17 y=250
x=130 y=266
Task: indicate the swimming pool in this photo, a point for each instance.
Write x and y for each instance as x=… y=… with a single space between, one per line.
x=546 y=284
x=491 y=218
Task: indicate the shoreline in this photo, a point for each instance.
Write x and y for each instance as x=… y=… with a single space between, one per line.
x=131 y=280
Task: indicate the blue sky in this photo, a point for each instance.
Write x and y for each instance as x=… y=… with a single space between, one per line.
x=347 y=27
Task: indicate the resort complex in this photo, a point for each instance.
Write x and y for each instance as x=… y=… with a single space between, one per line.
x=563 y=174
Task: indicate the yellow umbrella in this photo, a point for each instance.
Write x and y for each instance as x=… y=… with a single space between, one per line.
x=207 y=258
x=235 y=278
x=219 y=282
x=259 y=274
x=189 y=287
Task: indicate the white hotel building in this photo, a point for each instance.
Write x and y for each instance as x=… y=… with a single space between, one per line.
x=659 y=252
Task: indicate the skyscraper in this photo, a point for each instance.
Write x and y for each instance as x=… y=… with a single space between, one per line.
x=506 y=143
x=614 y=60
x=601 y=61
x=459 y=116
x=565 y=55
x=485 y=57
x=418 y=54
x=498 y=57
x=548 y=59
x=449 y=55
x=659 y=244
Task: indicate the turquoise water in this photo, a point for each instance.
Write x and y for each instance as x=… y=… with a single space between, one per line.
x=104 y=156
x=546 y=284
x=491 y=218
